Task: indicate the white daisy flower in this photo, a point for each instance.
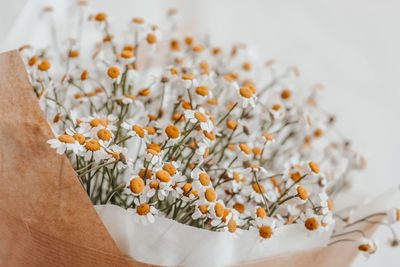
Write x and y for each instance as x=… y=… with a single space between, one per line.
x=266 y=227
x=64 y=143
x=145 y=211
x=367 y=246
x=312 y=222
x=94 y=149
x=199 y=116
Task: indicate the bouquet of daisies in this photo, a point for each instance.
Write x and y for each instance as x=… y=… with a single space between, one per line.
x=165 y=129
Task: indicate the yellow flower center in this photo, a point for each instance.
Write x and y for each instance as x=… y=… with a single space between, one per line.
x=92 y=145
x=154 y=147
x=265 y=231
x=113 y=72
x=313 y=166
x=65 y=138
x=84 y=75
x=152 y=152
x=231 y=226
x=73 y=53
x=80 y=138
x=127 y=54
x=151 y=38
x=136 y=185
x=153 y=184
x=168 y=167
x=97 y=121
x=130 y=96
x=187 y=190
x=150 y=130
x=210 y=194
x=311 y=224
x=163 y=176
x=188 y=40
x=257 y=188
x=138 y=130
x=100 y=17
x=295 y=176
x=239 y=207
x=246 y=66
x=231 y=124
x=203 y=209
x=285 y=94
x=212 y=101
x=144 y=92
x=178 y=117
x=256 y=150
x=236 y=177
x=143 y=209
x=330 y=204
x=204 y=179
x=200 y=116
x=219 y=209
x=245 y=148
x=364 y=247
x=32 y=60
x=172 y=131
x=206 y=151
x=174 y=45
x=276 y=107
x=245 y=92
x=302 y=192
x=268 y=136
x=187 y=76
x=318 y=133
x=261 y=213
x=197 y=48
x=44 y=65
x=202 y=90
x=104 y=134
x=209 y=135
x=138 y=20
x=186 y=105
x=143 y=172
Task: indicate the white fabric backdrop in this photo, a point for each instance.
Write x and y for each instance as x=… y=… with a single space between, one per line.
x=352 y=47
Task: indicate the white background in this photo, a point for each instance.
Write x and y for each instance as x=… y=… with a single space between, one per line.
x=352 y=47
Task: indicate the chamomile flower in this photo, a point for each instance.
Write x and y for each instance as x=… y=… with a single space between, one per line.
x=94 y=149
x=145 y=211
x=200 y=212
x=201 y=180
x=199 y=116
x=266 y=227
x=246 y=97
x=64 y=143
x=367 y=246
x=134 y=130
x=312 y=222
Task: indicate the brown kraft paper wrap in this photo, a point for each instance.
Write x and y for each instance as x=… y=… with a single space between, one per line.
x=46 y=217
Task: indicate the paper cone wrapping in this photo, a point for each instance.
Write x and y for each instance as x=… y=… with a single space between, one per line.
x=46 y=217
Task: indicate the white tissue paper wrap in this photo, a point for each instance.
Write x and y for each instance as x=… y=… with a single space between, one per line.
x=169 y=243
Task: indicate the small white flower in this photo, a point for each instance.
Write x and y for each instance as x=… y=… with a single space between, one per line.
x=367 y=246
x=145 y=211
x=199 y=116
x=64 y=143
